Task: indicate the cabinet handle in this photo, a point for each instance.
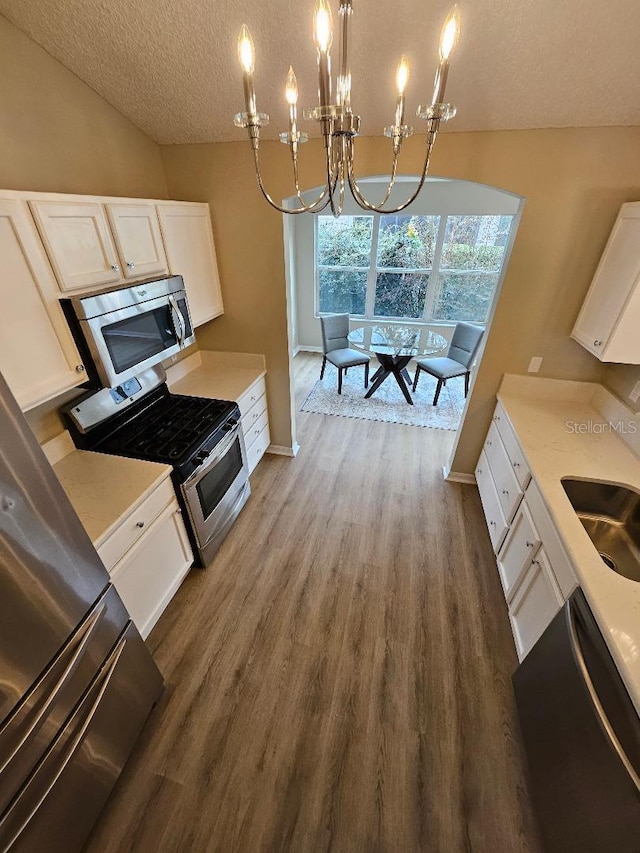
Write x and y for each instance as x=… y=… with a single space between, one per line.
x=115 y=267
x=130 y=264
x=256 y=432
x=529 y=544
x=535 y=562
x=140 y=524
x=489 y=443
x=505 y=492
x=493 y=523
x=516 y=464
x=253 y=397
x=597 y=343
x=80 y=368
x=496 y=417
x=479 y=470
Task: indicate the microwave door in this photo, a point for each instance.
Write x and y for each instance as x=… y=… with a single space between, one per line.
x=126 y=342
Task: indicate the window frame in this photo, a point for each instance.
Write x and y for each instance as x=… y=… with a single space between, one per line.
x=434 y=285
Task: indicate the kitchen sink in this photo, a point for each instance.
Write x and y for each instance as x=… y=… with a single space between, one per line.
x=611 y=516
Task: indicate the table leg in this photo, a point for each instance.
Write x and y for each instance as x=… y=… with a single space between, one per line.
x=390 y=364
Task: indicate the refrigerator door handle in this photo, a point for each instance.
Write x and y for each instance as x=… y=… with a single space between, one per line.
x=76 y=741
x=593 y=696
x=82 y=638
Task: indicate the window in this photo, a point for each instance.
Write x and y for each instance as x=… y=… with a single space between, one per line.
x=432 y=268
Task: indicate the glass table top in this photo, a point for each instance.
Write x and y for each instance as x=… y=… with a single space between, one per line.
x=395 y=339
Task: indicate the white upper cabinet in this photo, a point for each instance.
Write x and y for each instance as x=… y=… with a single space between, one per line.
x=38 y=357
x=610 y=317
x=78 y=241
x=188 y=241
x=138 y=239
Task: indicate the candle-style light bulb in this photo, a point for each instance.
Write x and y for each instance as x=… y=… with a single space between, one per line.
x=448 y=40
x=402 y=75
x=246 y=50
x=449 y=34
x=323 y=26
x=291 y=89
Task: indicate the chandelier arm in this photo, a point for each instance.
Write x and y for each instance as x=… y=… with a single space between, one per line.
x=314 y=204
x=360 y=199
x=310 y=208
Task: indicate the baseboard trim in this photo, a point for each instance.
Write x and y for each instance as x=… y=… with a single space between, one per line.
x=456 y=476
x=301 y=348
x=281 y=450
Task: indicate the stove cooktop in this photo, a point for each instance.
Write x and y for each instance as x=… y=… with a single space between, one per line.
x=170 y=430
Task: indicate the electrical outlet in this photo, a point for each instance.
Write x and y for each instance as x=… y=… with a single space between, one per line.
x=634 y=396
x=534 y=364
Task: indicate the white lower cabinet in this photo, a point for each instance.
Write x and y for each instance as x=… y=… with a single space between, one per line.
x=535 y=603
x=534 y=570
x=515 y=556
x=148 y=556
x=255 y=422
x=490 y=503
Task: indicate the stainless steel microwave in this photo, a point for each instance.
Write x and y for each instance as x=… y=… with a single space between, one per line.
x=123 y=331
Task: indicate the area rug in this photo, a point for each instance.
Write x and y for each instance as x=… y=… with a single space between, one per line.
x=388 y=403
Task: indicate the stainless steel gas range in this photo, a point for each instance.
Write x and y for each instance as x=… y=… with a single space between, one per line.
x=199 y=437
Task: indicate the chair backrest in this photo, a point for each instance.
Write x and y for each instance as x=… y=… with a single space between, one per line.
x=335 y=328
x=464 y=343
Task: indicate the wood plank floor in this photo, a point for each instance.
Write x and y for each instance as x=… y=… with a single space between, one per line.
x=339 y=678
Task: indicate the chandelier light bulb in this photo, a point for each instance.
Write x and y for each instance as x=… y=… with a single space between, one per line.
x=291 y=89
x=449 y=34
x=402 y=75
x=323 y=28
x=246 y=50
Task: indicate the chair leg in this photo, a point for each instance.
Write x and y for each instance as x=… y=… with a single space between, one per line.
x=438 y=389
x=324 y=364
x=339 y=380
x=466 y=383
x=416 y=377
x=366 y=375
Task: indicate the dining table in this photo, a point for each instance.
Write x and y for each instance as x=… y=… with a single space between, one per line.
x=394 y=345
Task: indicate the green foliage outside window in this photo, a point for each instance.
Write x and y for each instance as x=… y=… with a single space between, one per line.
x=405 y=285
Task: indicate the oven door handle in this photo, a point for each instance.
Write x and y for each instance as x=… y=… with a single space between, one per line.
x=179 y=326
x=218 y=452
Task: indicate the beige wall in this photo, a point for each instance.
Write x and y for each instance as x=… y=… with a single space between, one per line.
x=250 y=251
x=58 y=135
x=574 y=182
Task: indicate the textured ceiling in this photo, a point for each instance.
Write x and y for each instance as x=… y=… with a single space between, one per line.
x=171 y=67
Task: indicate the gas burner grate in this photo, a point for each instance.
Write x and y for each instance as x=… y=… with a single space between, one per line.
x=171 y=429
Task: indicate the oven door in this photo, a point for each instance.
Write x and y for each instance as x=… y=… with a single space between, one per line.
x=125 y=342
x=216 y=492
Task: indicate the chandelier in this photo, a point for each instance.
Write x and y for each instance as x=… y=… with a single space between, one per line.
x=338 y=124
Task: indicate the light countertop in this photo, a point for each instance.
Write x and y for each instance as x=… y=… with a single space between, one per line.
x=569 y=429
x=223 y=376
x=104 y=489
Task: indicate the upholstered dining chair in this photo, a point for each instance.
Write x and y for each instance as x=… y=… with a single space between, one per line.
x=458 y=360
x=335 y=346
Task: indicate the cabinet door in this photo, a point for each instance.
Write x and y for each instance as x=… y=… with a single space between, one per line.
x=490 y=503
x=148 y=576
x=188 y=241
x=615 y=280
x=518 y=550
x=506 y=483
x=37 y=354
x=535 y=604
x=78 y=241
x=138 y=239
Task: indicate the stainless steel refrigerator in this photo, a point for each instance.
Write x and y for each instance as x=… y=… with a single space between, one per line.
x=76 y=680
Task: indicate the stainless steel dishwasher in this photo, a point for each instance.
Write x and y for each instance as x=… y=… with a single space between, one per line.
x=582 y=738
